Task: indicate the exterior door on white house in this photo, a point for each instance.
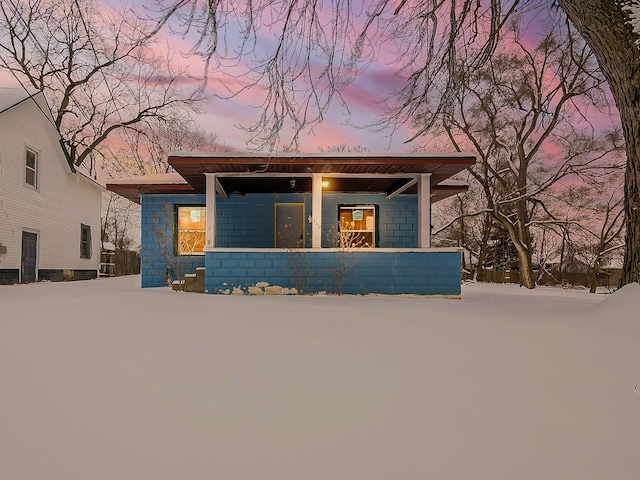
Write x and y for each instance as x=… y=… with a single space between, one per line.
x=289 y=225
x=29 y=257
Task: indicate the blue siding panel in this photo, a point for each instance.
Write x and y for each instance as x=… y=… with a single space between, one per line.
x=248 y=222
x=157 y=252
x=368 y=272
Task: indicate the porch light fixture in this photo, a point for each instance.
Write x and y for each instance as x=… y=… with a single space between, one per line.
x=325 y=183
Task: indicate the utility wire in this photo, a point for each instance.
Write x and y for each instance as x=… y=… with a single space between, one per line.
x=30 y=95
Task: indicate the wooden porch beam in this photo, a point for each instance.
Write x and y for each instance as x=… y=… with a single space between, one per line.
x=402 y=188
x=220 y=189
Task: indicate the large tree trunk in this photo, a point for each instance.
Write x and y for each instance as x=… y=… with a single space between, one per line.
x=564 y=239
x=527 y=278
x=605 y=27
x=523 y=246
x=483 y=249
x=593 y=278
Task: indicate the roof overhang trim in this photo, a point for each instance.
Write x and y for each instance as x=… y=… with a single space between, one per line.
x=258 y=173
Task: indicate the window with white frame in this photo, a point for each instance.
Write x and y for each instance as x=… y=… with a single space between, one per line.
x=31 y=168
x=85 y=241
x=192 y=230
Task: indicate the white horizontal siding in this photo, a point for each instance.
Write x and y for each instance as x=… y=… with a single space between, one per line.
x=62 y=202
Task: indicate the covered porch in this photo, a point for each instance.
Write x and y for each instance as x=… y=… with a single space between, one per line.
x=335 y=223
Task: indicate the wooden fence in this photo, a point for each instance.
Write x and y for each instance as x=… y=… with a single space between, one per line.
x=117 y=263
x=606 y=277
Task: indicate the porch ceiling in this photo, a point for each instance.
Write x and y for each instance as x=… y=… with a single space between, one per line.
x=243 y=173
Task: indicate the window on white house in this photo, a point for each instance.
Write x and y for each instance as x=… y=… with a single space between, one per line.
x=31 y=168
x=85 y=241
x=192 y=228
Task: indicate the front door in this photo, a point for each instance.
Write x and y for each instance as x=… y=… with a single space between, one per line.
x=29 y=253
x=289 y=225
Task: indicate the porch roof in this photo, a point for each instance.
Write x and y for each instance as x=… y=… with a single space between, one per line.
x=242 y=173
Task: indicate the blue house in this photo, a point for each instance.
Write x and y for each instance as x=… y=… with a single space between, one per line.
x=298 y=223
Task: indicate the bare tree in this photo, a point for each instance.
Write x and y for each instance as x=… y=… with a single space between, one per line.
x=520 y=102
x=592 y=219
x=119 y=218
x=437 y=44
x=606 y=239
x=608 y=29
x=313 y=54
x=463 y=221
x=100 y=70
x=344 y=148
x=145 y=150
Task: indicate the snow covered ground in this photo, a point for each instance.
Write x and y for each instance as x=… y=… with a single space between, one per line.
x=103 y=380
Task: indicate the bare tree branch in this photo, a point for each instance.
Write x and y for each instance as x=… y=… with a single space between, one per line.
x=98 y=69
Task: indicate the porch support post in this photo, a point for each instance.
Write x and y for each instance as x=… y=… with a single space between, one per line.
x=424 y=210
x=316 y=211
x=211 y=209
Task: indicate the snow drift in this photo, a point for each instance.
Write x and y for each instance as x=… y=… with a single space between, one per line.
x=103 y=380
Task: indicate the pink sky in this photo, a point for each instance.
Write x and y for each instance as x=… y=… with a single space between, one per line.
x=341 y=126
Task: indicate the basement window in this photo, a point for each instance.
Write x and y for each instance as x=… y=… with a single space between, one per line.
x=192 y=227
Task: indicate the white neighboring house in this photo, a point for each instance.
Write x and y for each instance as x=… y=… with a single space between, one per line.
x=49 y=212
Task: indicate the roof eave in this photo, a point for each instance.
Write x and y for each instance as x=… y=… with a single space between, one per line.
x=133 y=192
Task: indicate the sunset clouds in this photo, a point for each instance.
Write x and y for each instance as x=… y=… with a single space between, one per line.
x=239 y=94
